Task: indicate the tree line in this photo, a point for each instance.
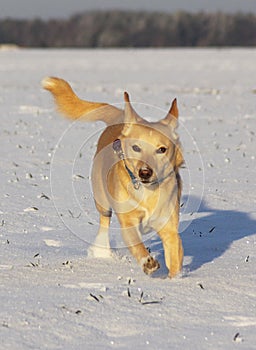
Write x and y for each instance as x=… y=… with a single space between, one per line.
x=133 y=29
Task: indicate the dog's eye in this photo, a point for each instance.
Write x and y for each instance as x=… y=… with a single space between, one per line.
x=161 y=150
x=136 y=148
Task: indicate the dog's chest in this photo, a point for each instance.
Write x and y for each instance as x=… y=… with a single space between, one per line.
x=155 y=220
x=156 y=208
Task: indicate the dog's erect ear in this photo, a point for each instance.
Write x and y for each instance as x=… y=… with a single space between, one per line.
x=130 y=115
x=126 y=97
x=174 y=109
x=172 y=116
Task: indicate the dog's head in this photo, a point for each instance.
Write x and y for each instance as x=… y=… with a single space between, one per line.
x=152 y=150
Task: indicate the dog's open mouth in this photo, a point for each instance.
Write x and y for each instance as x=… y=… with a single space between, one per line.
x=145 y=181
x=148 y=182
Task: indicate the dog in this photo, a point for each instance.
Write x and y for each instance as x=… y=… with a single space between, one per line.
x=135 y=174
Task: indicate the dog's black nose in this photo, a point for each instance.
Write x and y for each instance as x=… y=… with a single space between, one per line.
x=145 y=173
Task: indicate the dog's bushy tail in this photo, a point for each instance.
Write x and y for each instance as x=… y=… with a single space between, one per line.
x=70 y=105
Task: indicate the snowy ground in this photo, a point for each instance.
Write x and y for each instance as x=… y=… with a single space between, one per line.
x=52 y=295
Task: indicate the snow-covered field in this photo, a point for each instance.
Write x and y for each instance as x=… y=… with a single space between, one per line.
x=55 y=297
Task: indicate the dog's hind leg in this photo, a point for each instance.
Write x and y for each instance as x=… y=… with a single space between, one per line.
x=101 y=247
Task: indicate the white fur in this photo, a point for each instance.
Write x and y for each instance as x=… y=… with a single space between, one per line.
x=101 y=247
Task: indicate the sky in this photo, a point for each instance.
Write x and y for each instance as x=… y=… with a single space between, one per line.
x=46 y=9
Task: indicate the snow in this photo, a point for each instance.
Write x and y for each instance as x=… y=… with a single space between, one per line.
x=54 y=296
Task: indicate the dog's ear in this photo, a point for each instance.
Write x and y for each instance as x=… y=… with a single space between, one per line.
x=179 y=160
x=172 y=116
x=130 y=115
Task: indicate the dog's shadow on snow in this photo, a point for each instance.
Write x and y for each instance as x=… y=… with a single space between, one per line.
x=208 y=236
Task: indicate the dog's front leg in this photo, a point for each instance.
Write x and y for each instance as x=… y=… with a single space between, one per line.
x=132 y=239
x=173 y=250
x=101 y=246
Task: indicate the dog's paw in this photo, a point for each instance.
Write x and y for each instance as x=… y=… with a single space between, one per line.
x=99 y=252
x=149 y=265
x=101 y=247
x=175 y=273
